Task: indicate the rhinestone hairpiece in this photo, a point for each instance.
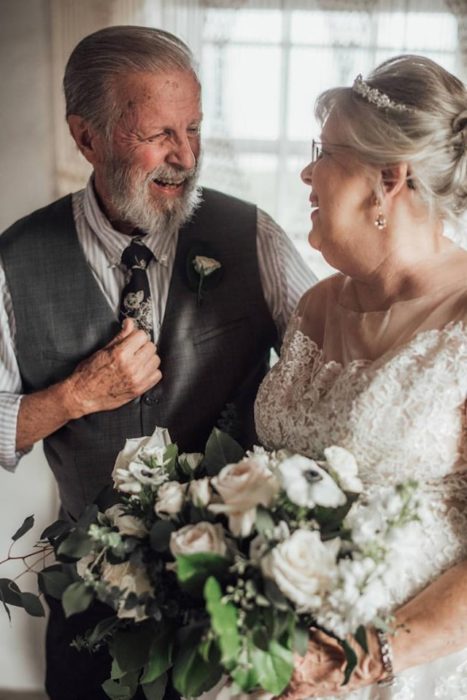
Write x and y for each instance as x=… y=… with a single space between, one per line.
x=376 y=97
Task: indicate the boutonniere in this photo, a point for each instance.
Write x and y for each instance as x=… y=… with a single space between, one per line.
x=204 y=267
x=204 y=270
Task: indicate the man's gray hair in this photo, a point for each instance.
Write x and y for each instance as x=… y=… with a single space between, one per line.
x=100 y=58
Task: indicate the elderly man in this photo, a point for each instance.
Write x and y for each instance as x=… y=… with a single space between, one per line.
x=105 y=334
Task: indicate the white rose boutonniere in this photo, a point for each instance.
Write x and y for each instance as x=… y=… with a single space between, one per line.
x=204 y=267
x=131 y=470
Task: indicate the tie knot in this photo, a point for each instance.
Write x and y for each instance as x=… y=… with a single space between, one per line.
x=136 y=255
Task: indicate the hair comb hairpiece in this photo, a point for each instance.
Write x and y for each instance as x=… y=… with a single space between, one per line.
x=376 y=97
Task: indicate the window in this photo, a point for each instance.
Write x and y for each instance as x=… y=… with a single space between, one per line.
x=262 y=69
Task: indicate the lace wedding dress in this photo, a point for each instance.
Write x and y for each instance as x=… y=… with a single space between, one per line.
x=390 y=387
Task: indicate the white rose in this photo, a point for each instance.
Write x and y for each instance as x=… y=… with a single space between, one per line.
x=130 y=471
x=200 y=492
x=202 y=537
x=243 y=487
x=303 y=567
x=170 y=498
x=126 y=524
x=343 y=467
x=306 y=484
x=191 y=459
x=128 y=579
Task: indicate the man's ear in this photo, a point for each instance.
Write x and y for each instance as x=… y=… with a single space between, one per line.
x=86 y=137
x=394 y=178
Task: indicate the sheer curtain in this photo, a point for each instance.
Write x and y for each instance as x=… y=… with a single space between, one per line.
x=263 y=62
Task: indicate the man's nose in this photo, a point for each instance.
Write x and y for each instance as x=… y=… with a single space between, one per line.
x=181 y=154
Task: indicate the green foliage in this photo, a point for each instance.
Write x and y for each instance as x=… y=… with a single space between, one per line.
x=273 y=667
x=170 y=460
x=300 y=639
x=10 y=594
x=194 y=569
x=122 y=688
x=221 y=450
x=351 y=659
x=56 y=530
x=264 y=522
x=130 y=647
x=77 y=598
x=25 y=527
x=159 y=657
x=192 y=674
x=155 y=689
x=76 y=545
x=224 y=621
x=54 y=580
x=361 y=638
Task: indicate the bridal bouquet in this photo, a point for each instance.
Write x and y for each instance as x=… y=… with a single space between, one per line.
x=215 y=565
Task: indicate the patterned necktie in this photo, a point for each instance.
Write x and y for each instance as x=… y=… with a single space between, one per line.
x=136 y=296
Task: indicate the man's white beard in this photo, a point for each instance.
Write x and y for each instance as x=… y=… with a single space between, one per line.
x=131 y=198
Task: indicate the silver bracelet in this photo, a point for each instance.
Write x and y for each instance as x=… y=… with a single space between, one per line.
x=385 y=650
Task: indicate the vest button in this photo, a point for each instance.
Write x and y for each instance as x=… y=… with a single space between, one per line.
x=149 y=400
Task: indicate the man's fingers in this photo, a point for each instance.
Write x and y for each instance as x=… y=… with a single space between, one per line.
x=128 y=326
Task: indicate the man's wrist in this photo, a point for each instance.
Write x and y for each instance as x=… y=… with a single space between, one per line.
x=68 y=399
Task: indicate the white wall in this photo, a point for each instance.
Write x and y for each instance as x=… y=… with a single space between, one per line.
x=26 y=183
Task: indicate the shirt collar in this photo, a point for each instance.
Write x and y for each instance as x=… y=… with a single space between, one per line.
x=114 y=242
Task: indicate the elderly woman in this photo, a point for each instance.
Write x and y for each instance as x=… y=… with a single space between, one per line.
x=375 y=359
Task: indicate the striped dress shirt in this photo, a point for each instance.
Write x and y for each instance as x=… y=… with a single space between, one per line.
x=284 y=277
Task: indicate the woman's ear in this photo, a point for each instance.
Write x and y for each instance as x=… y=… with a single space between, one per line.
x=85 y=137
x=394 y=178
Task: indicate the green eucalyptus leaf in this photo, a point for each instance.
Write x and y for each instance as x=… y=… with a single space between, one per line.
x=351 y=659
x=155 y=689
x=54 y=581
x=223 y=621
x=102 y=630
x=122 y=689
x=76 y=545
x=192 y=674
x=361 y=638
x=221 y=450
x=159 y=658
x=170 y=460
x=88 y=516
x=264 y=522
x=25 y=527
x=273 y=667
x=32 y=604
x=10 y=592
x=244 y=673
x=160 y=535
x=130 y=647
x=76 y=598
x=301 y=636
x=274 y=595
x=194 y=569
x=56 y=529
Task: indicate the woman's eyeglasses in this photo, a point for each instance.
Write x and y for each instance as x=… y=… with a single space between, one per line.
x=316 y=150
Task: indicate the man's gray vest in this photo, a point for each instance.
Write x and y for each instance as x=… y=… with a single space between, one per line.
x=213 y=354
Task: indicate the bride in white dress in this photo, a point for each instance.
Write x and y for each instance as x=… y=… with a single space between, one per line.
x=375 y=360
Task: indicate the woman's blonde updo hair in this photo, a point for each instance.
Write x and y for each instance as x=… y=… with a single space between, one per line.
x=431 y=134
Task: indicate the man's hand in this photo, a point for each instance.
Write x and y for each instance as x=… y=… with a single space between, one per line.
x=121 y=371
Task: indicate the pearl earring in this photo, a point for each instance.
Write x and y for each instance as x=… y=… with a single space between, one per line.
x=380 y=221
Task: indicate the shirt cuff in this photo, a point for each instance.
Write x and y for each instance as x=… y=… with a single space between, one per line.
x=9 y=408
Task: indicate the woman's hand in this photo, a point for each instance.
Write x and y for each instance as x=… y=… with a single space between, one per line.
x=321 y=671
